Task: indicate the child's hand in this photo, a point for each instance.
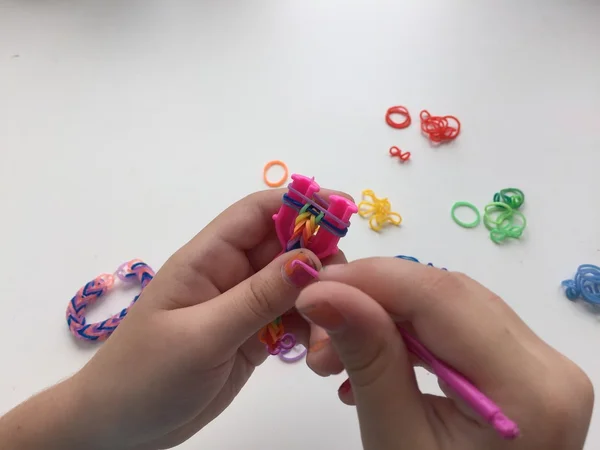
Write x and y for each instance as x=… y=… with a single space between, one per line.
x=190 y=343
x=462 y=323
x=186 y=348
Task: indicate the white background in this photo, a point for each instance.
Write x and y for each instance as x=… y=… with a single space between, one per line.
x=127 y=125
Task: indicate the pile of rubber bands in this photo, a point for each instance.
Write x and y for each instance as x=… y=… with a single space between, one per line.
x=585 y=285
x=439 y=128
x=378 y=210
x=501 y=217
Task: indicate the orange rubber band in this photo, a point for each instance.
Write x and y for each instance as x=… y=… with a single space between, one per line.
x=283 y=179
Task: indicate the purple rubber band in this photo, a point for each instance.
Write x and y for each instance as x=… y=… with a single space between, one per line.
x=287 y=341
x=292 y=359
x=321 y=200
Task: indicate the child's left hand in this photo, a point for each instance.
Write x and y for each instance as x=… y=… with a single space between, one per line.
x=190 y=343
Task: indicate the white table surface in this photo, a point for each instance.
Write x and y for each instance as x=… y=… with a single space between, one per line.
x=126 y=126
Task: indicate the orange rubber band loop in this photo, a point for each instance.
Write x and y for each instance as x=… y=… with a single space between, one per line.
x=283 y=179
x=398 y=110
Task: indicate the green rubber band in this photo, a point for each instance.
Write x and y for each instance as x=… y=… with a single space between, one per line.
x=496 y=207
x=472 y=208
x=304 y=208
x=515 y=200
x=502 y=221
x=502 y=226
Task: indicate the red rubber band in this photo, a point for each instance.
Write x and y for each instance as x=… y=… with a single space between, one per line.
x=439 y=129
x=395 y=151
x=398 y=110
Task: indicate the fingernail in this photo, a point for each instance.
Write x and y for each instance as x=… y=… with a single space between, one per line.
x=295 y=274
x=345 y=387
x=319 y=345
x=324 y=315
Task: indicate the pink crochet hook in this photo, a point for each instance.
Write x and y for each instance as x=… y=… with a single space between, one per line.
x=485 y=407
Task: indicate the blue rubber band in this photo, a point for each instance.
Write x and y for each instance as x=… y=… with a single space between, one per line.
x=585 y=285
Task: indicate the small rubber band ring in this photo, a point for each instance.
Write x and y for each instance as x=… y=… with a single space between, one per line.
x=283 y=179
x=398 y=110
x=472 y=208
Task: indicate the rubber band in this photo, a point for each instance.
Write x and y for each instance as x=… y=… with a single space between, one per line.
x=501 y=226
x=504 y=213
x=91 y=293
x=413 y=259
x=585 y=285
x=283 y=178
x=379 y=211
x=515 y=200
x=439 y=128
x=287 y=200
x=395 y=151
x=319 y=207
x=302 y=351
x=401 y=110
x=304 y=229
x=472 y=207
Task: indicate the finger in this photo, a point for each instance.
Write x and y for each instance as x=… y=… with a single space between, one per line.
x=345 y=393
x=366 y=339
x=243 y=310
x=235 y=240
x=321 y=357
x=460 y=321
x=253 y=215
x=325 y=363
x=259 y=256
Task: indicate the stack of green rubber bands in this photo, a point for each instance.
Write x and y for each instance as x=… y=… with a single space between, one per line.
x=501 y=217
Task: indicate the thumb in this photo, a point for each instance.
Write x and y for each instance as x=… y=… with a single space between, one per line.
x=389 y=405
x=243 y=310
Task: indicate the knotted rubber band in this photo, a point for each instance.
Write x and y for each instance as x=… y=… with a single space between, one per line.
x=402 y=156
x=91 y=293
x=379 y=211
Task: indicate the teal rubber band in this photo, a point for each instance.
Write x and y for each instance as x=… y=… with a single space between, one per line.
x=515 y=200
x=472 y=208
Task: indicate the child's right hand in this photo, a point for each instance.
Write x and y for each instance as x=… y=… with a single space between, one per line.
x=462 y=323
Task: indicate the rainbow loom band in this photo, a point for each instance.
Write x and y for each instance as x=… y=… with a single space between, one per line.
x=91 y=293
x=317 y=206
x=298 y=206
